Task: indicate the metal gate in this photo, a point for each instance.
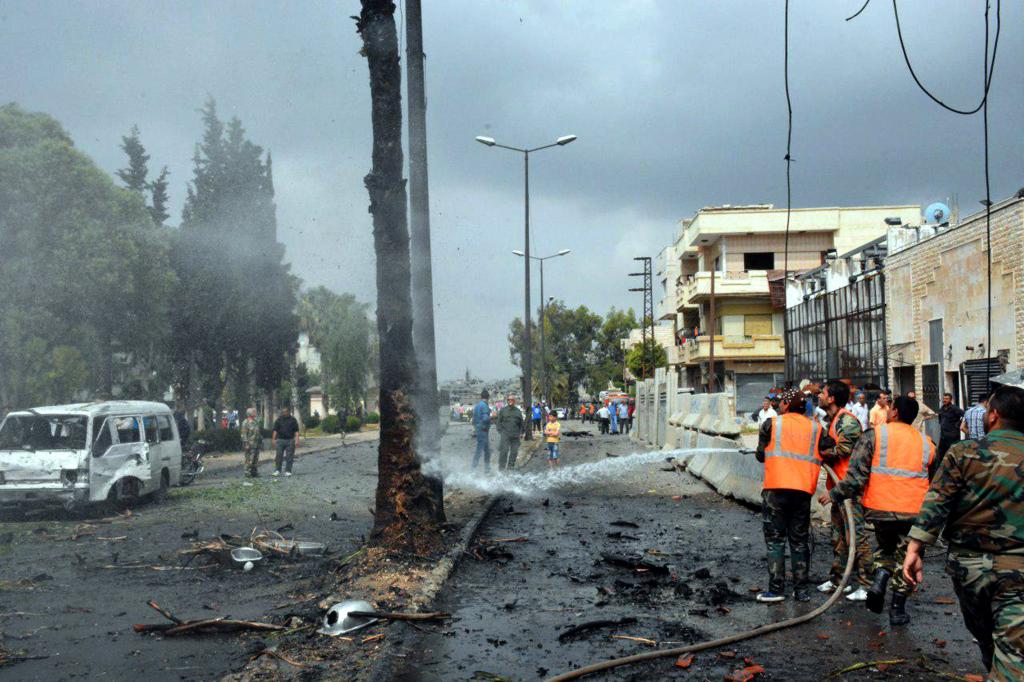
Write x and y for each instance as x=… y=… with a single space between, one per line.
x=751 y=390
x=975 y=375
x=930 y=386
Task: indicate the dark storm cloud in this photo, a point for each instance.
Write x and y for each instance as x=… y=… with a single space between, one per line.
x=677 y=105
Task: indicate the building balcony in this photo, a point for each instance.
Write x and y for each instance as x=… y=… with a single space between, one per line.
x=676 y=355
x=757 y=347
x=666 y=308
x=696 y=289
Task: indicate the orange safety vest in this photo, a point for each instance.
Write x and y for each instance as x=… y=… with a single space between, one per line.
x=792 y=460
x=899 y=469
x=842 y=465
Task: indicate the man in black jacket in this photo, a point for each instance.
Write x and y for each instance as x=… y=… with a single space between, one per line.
x=285 y=439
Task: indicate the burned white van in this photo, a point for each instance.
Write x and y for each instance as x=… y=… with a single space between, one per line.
x=90 y=452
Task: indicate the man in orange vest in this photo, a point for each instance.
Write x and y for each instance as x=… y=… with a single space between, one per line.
x=892 y=465
x=789 y=447
x=844 y=429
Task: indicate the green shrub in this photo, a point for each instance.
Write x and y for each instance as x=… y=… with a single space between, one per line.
x=312 y=421
x=372 y=418
x=220 y=440
x=352 y=424
x=331 y=424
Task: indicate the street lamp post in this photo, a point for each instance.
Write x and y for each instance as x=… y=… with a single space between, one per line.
x=527 y=354
x=543 y=318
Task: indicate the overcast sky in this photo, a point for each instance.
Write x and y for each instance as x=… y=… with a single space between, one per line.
x=677 y=105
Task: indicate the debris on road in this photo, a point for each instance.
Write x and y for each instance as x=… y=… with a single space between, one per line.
x=341 y=619
x=594 y=625
x=192 y=627
x=643 y=640
x=278 y=655
x=864 y=665
x=635 y=563
x=391 y=615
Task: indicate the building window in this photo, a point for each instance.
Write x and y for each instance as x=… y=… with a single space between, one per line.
x=759 y=260
x=758 y=325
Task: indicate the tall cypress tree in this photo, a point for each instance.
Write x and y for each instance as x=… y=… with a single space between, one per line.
x=158 y=192
x=134 y=176
x=238 y=298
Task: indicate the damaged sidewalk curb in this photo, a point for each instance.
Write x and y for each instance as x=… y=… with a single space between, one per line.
x=435 y=581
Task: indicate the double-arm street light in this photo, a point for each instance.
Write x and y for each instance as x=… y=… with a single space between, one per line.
x=543 y=318
x=527 y=355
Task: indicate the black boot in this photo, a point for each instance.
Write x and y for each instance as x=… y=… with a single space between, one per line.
x=898 y=610
x=876 y=593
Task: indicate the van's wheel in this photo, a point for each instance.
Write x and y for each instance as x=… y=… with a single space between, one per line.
x=160 y=494
x=123 y=493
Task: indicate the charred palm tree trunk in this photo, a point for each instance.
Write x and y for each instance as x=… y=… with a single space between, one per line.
x=406 y=512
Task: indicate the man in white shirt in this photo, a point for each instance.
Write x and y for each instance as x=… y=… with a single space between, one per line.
x=603 y=415
x=767 y=412
x=860 y=410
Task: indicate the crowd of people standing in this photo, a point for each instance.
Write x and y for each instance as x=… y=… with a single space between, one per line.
x=892 y=475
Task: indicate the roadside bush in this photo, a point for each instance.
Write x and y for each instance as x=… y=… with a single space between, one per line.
x=331 y=424
x=312 y=421
x=352 y=424
x=372 y=418
x=220 y=440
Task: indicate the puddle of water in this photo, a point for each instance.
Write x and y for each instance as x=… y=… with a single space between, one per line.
x=458 y=474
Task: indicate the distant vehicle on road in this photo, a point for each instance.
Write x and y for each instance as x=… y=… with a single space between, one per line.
x=113 y=451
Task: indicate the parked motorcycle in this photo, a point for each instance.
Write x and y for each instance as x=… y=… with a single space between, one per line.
x=192 y=461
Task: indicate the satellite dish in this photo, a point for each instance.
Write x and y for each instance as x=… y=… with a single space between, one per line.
x=937 y=213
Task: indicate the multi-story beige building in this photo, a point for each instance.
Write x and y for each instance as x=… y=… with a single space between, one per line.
x=744 y=249
x=937 y=295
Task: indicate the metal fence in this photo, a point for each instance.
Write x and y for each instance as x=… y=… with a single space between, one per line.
x=839 y=334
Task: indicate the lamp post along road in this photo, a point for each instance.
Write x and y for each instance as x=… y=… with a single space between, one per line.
x=543 y=317
x=527 y=352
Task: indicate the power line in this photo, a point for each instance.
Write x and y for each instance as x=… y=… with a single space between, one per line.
x=789 y=161
x=988 y=68
x=862 y=8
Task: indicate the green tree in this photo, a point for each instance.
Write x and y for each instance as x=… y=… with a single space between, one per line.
x=609 y=357
x=86 y=278
x=134 y=175
x=570 y=335
x=158 y=194
x=339 y=326
x=236 y=319
x=649 y=356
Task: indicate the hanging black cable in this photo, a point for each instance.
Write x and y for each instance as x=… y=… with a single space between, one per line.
x=862 y=8
x=789 y=188
x=988 y=199
x=988 y=68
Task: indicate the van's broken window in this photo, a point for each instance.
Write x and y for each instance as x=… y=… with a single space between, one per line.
x=43 y=432
x=127 y=430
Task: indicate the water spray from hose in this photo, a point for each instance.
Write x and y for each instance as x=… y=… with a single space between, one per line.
x=460 y=475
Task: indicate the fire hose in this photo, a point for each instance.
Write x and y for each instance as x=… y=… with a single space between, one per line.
x=851 y=542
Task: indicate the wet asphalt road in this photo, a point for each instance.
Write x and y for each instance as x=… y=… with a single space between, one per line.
x=510 y=607
x=73 y=601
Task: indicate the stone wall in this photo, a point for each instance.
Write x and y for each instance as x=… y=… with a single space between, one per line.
x=944 y=277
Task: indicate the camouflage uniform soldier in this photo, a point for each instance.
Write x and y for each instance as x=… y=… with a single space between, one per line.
x=890 y=466
x=845 y=430
x=975 y=496
x=252 y=440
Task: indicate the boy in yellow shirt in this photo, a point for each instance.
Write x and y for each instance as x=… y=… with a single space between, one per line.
x=552 y=432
